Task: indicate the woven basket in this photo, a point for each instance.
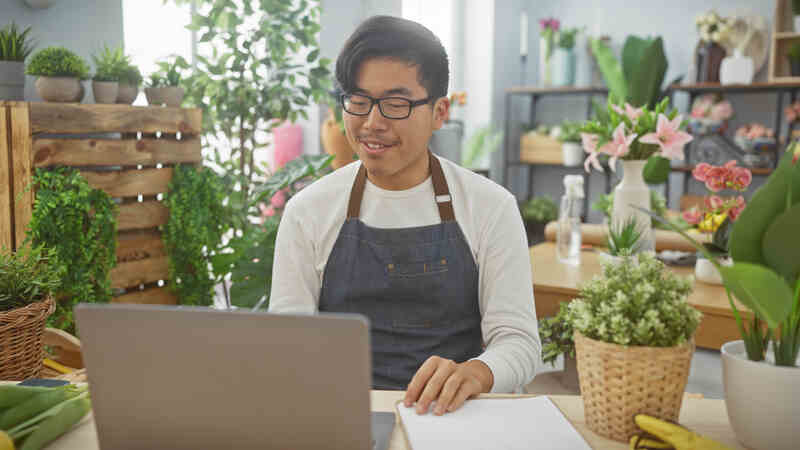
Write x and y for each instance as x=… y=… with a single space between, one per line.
x=618 y=382
x=21 y=350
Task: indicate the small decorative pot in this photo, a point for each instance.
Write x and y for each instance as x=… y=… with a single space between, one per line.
x=563 y=67
x=127 y=93
x=105 y=91
x=21 y=345
x=761 y=400
x=12 y=80
x=707 y=272
x=59 y=89
x=710 y=56
x=171 y=96
x=736 y=69
x=572 y=152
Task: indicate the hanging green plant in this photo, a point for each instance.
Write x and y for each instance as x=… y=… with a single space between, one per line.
x=193 y=232
x=79 y=223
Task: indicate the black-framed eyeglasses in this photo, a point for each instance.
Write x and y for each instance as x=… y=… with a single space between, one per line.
x=390 y=107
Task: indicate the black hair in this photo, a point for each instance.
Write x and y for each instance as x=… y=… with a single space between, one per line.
x=399 y=39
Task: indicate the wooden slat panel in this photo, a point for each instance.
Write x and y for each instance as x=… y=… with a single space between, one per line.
x=135 y=245
x=130 y=183
x=6 y=216
x=21 y=161
x=136 y=216
x=153 y=296
x=144 y=271
x=80 y=118
x=115 y=152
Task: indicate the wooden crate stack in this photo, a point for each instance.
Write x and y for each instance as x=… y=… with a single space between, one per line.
x=127 y=151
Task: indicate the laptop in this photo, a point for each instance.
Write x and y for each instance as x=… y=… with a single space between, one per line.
x=199 y=378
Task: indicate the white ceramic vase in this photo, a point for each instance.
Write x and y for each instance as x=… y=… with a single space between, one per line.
x=545 y=64
x=632 y=192
x=572 y=153
x=761 y=399
x=736 y=69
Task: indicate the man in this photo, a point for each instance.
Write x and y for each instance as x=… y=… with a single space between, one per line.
x=433 y=254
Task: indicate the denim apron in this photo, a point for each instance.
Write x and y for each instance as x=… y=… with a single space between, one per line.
x=418 y=287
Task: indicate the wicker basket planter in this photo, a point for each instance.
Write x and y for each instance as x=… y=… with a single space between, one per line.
x=618 y=382
x=21 y=350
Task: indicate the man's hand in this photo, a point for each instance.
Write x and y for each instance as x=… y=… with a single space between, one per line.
x=447 y=382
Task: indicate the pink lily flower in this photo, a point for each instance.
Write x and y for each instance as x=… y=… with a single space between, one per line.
x=589 y=144
x=620 y=146
x=669 y=137
x=629 y=111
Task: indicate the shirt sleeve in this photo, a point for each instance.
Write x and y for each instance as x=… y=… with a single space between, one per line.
x=295 y=282
x=509 y=325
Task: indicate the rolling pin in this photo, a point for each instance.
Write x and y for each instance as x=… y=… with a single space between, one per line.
x=596 y=234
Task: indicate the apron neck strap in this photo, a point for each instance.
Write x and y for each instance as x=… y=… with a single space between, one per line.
x=440 y=189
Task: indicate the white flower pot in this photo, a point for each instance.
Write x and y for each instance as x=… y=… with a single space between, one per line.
x=572 y=153
x=762 y=400
x=633 y=191
x=12 y=80
x=736 y=69
x=707 y=272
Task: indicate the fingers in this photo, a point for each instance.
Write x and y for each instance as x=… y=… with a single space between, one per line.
x=420 y=379
x=449 y=391
x=468 y=389
x=431 y=392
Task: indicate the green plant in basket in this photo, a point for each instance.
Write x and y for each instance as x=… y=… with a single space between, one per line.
x=765 y=275
x=15 y=45
x=28 y=276
x=57 y=62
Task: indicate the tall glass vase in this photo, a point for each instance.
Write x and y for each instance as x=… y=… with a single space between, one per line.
x=633 y=191
x=545 y=62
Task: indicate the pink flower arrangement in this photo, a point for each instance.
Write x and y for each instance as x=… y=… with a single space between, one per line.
x=715 y=208
x=711 y=107
x=551 y=23
x=668 y=137
x=792 y=112
x=754 y=131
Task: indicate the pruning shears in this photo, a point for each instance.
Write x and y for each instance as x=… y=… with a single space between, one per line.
x=659 y=434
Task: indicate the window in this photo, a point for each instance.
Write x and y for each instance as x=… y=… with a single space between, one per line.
x=437 y=16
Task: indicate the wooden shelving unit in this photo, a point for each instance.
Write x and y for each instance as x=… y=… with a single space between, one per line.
x=783 y=36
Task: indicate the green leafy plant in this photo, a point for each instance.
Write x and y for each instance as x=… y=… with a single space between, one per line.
x=130 y=75
x=110 y=64
x=193 y=232
x=765 y=275
x=794 y=52
x=624 y=239
x=170 y=72
x=796 y=7
x=57 y=62
x=15 y=45
x=540 y=209
x=483 y=142
x=565 y=37
x=79 y=224
x=27 y=276
x=570 y=131
x=636 y=302
x=556 y=335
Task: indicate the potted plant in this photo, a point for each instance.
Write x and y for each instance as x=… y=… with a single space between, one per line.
x=570 y=137
x=480 y=146
x=109 y=64
x=760 y=372
x=710 y=114
x=714 y=31
x=633 y=335
x=793 y=55
x=60 y=72
x=717 y=214
x=547 y=35
x=556 y=335
x=634 y=135
x=164 y=87
x=15 y=46
x=536 y=213
x=564 y=57
x=27 y=284
x=622 y=240
x=130 y=78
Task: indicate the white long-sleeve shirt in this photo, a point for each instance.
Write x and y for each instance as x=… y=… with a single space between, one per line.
x=488 y=217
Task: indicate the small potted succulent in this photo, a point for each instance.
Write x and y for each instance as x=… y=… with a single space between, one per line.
x=28 y=283
x=15 y=46
x=623 y=240
x=60 y=72
x=571 y=149
x=536 y=213
x=109 y=64
x=130 y=79
x=164 y=86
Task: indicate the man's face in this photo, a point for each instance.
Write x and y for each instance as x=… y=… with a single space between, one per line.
x=394 y=152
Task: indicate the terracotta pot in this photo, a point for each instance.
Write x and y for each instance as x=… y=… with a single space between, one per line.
x=335 y=143
x=105 y=91
x=127 y=94
x=59 y=89
x=171 y=96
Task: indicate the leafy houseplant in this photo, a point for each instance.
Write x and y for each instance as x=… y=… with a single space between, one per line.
x=547 y=36
x=130 y=79
x=480 y=145
x=765 y=278
x=193 y=232
x=633 y=319
x=15 y=46
x=79 y=224
x=165 y=84
x=624 y=239
x=109 y=66
x=28 y=280
x=536 y=213
x=60 y=73
x=570 y=137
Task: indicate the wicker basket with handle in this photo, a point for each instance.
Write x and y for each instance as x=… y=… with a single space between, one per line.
x=21 y=348
x=618 y=382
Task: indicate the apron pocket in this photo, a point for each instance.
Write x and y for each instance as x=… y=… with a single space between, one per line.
x=417 y=269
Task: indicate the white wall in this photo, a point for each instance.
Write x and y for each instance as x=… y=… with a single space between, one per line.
x=82 y=26
x=477 y=68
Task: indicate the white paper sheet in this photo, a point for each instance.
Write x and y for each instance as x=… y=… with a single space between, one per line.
x=496 y=424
